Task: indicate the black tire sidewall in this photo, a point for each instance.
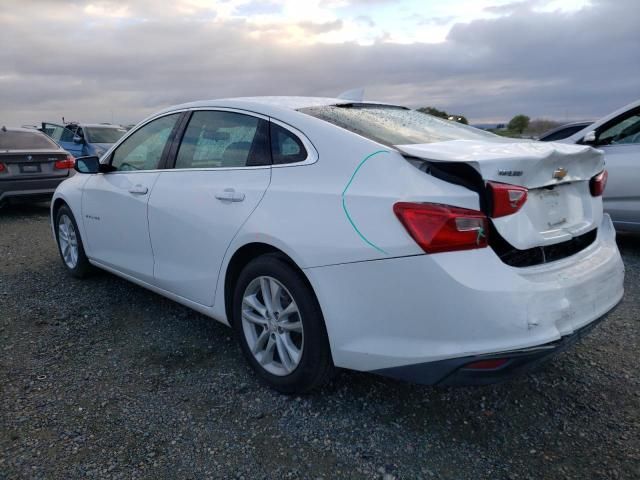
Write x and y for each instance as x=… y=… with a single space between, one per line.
x=83 y=265
x=316 y=352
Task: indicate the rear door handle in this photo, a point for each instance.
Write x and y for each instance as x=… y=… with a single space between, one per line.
x=138 y=190
x=229 y=195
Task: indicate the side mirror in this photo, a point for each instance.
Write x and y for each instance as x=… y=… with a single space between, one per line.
x=590 y=138
x=78 y=139
x=87 y=164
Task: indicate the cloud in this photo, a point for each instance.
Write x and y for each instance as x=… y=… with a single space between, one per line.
x=88 y=66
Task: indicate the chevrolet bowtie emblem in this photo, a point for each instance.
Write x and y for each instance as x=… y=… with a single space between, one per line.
x=560 y=173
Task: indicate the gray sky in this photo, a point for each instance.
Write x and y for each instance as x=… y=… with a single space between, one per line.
x=488 y=59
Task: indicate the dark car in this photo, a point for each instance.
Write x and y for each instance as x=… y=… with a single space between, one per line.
x=31 y=165
x=563 y=131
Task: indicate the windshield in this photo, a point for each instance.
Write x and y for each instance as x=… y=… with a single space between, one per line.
x=17 y=140
x=103 y=134
x=396 y=125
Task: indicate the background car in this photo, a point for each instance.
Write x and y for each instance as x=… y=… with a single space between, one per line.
x=373 y=237
x=563 y=131
x=31 y=165
x=84 y=139
x=618 y=136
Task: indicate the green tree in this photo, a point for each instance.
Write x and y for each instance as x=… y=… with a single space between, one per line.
x=519 y=123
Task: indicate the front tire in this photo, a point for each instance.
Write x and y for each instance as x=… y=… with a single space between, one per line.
x=280 y=327
x=70 y=244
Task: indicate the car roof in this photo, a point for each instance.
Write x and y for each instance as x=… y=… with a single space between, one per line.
x=279 y=102
x=101 y=125
x=267 y=105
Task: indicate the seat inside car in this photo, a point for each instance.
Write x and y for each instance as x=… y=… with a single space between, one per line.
x=235 y=155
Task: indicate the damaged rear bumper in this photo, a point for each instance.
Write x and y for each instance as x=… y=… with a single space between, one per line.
x=459 y=371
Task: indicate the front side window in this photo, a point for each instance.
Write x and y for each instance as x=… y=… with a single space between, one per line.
x=285 y=146
x=391 y=125
x=143 y=149
x=58 y=132
x=218 y=139
x=623 y=132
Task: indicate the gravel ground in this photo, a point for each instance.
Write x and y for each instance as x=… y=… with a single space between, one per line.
x=102 y=379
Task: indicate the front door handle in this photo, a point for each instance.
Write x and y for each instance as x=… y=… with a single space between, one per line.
x=230 y=195
x=138 y=190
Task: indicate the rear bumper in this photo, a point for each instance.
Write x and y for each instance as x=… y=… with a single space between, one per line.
x=41 y=188
x=403 y=313
x=453 y=372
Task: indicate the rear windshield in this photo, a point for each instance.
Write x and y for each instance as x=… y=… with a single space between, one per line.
x=103 y=134
x=16 y=140
x=395 y=125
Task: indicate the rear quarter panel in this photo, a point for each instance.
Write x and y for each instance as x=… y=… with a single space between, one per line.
x=340 y=208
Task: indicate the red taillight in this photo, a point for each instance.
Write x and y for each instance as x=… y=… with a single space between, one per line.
x=2 y=167
x=487 y=364
x=65 y=164
x=598 y=183
x=443 y=228
x=506 y=199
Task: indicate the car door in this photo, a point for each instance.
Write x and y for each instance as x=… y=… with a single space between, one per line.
x=620 y=141
x=63 y=136
x=222 y=170
x=114 y=204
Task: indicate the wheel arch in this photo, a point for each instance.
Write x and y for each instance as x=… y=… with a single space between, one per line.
x=241 y=258
x=56 y=205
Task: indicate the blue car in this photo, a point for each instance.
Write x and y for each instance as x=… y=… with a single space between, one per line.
x=84 y=139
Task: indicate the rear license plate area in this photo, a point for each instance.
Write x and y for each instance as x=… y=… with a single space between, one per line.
x=30 y=169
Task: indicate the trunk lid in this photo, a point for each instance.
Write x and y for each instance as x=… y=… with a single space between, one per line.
x=559 y=205
x=26 y=164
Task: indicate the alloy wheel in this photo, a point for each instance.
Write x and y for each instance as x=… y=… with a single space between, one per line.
x=272 y=325
x=68 y=241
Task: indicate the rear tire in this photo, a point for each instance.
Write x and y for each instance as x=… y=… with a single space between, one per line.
x=280 y=327
x=70 y=244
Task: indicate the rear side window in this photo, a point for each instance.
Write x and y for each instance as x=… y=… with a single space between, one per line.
x=12 y=140
x=217 y=139
x=392 y=125
x=285 y=146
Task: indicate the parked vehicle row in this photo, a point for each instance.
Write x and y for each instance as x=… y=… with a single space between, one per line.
x=331 y=233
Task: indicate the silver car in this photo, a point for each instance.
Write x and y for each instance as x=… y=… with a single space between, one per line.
x=618 y=136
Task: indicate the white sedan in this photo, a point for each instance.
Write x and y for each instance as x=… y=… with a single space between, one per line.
x=366 y=236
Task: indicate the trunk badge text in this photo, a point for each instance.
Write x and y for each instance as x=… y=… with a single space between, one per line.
x=510 y=173
x=560 y=173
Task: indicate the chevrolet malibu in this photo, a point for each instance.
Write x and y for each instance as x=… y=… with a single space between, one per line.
x=332 y=234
